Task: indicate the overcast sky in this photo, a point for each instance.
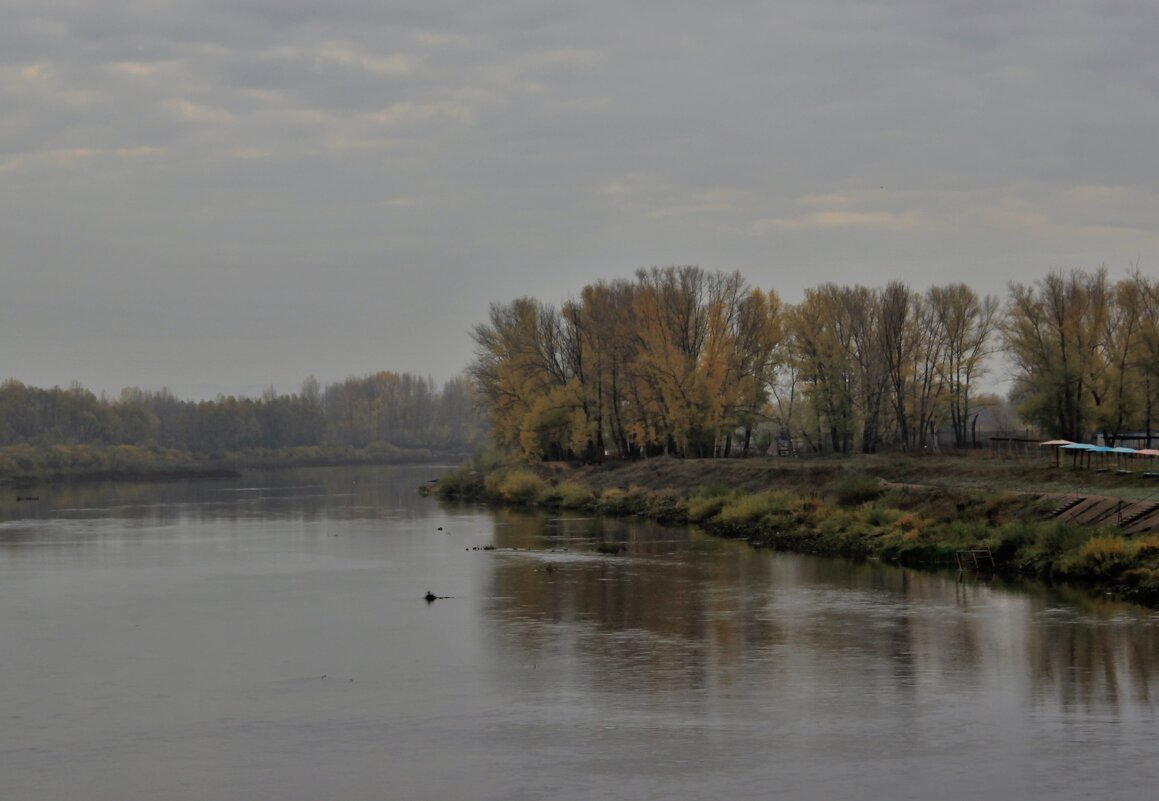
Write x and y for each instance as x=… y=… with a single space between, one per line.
x=217 y=196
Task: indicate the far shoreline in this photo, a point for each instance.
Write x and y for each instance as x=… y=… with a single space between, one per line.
x=230 y=467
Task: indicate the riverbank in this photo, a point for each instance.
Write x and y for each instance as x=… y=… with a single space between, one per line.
x=919 y=511
x=26 y=466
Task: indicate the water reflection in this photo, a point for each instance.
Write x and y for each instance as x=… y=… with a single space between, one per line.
x=678 y=612
x=306 y=495
x=189 y=641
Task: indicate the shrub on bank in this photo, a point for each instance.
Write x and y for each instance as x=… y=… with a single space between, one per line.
x=520 y=487
x=1009 y=543
x=702 y=509
x=1057 y=539
x=1104 y=557
x=575 y=496
x=712 y=489
x=746 y=510
x=666 y=506
x=856 y=488
x=622 y=503
x=996 y=507
x=463 y=483
x=549 y=497
x=879 y=515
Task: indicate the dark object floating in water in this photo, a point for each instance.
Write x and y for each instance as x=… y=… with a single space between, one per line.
x=27 y=498
x=430 y=597
x=440 y=528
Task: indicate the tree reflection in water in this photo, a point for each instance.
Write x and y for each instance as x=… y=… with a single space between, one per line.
x=679 y=612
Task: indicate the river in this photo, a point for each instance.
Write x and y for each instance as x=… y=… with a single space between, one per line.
x=268 y=638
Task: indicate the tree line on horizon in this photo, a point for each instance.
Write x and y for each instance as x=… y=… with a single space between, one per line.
x=385 y=412
x=689 y=362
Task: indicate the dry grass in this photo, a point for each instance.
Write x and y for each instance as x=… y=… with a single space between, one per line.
x=970 y=471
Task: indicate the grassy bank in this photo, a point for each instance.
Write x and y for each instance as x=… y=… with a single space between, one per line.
x=28 y=465
x=917 y=511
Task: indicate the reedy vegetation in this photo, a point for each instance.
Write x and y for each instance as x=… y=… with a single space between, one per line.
x=686 y=362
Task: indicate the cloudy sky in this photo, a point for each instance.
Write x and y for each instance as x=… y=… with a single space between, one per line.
x=222 y=195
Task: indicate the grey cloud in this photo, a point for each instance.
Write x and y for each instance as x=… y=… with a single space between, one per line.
x=324 y=175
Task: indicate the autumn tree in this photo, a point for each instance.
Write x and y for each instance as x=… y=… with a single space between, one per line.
x=967 y=324
x=927 y=390
x=603 y=350
x=671 y=330
x=676 y=361
x=757 y=353
x=1123 y=389
x=863 y=310
x=915 y=346
x=1054 y=332
x=820 y=343
x=900 y=339
x=521 y=374
x=1144 y=293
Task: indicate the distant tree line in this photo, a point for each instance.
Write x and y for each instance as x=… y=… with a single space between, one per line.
x=384 y=411
x=689 y=362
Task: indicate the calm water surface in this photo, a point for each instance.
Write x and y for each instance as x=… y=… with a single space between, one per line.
x=267 y=638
